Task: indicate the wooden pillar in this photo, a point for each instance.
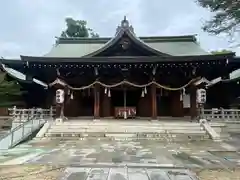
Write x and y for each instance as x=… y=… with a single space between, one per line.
x=154 y=101
x=96 y=101
x=106 y=104
x=193 y=102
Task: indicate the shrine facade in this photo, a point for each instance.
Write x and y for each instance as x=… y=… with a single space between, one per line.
x=122 y=77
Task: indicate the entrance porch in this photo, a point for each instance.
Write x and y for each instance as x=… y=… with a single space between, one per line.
x=129 y=102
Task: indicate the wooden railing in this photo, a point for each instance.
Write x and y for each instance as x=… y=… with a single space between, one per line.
x=23 y=115
x=220 y=114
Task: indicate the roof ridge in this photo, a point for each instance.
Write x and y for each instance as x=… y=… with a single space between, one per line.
x=191 y=38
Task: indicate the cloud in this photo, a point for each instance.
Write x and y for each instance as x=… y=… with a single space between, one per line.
x=29 y=27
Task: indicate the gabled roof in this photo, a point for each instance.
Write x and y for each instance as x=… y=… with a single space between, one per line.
x=126 y=30
x=164 y=46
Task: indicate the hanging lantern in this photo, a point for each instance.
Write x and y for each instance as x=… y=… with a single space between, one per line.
x=109 y=93
x=161 y=92
x=69 y=92
x=105 y=91
x=142 y=95
x=145 y=90
x=71 y=97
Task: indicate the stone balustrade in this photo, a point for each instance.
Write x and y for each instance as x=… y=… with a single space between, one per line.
x=215 y=114
x=23 y=115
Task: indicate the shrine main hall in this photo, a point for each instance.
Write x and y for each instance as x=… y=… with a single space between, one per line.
x=124 y=76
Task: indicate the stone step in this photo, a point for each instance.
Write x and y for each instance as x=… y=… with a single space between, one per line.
x=123 y=130
x=121 y=126
x=120 y=139
x=133 y=133
x=179 y=138
x=128 y=124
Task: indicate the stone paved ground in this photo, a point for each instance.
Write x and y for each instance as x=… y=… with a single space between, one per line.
x=101 y=158
x=44 y=172
x=145 y=152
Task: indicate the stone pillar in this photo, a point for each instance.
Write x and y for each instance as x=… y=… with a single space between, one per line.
x=96 y=101
x=193 y=102
x=154 y=101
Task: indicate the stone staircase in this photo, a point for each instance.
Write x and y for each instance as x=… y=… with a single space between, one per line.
x=129 y=129
x=2 y=133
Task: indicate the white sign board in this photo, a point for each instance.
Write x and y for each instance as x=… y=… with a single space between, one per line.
x=59 y=96
x=201 y=96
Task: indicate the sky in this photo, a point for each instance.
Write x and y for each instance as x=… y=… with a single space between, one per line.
x=29 y=27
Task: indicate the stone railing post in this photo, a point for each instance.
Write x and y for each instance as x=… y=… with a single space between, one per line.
x=40 y=113
x=32 y=113
x=213 y=113
x=51 y=112
x=21 y=114
x=14 y=111
x=222 y=114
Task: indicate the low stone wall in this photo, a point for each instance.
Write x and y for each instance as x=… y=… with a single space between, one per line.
x=3 y=111
x=221 y=129
x=5 y=122
x=233 y=126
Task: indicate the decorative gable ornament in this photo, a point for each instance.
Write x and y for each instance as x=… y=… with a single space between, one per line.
x=125 y=26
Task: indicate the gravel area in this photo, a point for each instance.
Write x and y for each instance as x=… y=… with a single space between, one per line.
x=220 y=174
x=30 y=172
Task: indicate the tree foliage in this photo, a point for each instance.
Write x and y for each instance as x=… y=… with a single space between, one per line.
x=78 y=28
x=224 y=51
x=10 y=93
x=226 y=18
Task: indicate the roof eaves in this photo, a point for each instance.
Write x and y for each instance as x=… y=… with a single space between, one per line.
x=124 y=59
x=20 y=76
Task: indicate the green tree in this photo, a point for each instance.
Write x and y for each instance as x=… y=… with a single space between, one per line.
x=78 y=28
x=226 y=17
x=224 y=51
x=10 y=93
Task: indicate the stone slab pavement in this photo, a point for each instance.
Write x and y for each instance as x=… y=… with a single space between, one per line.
x=120 y=160
x=125 y=173
x=132 y=153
